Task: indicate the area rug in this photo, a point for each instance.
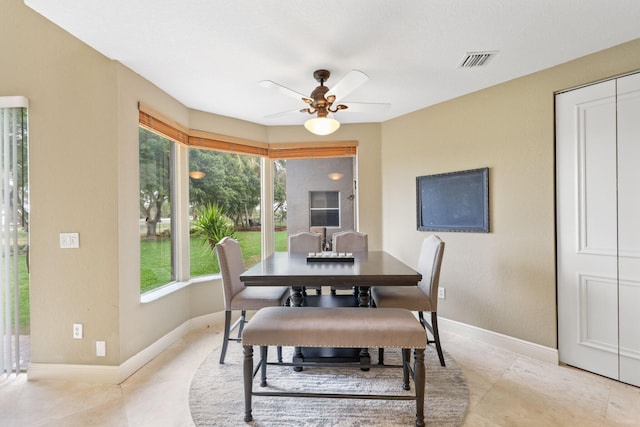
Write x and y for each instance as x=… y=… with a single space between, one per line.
x=216 y=395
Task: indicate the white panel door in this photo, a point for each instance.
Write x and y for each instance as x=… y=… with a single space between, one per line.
x=629 y=226
x=587 y=228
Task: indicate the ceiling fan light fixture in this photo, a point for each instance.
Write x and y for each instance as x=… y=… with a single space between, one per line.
x=322 y=125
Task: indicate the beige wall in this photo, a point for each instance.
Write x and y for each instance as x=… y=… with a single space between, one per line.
x=72 y=93
x=84 y=174
x=503 y=281
x=83 y=121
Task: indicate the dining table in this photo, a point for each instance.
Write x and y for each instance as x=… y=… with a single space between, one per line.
x=361 y=269
x=357 y=270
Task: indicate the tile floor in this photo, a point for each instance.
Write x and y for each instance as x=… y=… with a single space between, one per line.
x=506 y=390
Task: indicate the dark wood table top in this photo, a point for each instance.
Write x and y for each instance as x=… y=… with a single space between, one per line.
x=373 y=268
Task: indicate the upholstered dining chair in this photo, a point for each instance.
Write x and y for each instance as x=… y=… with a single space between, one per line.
x=349 y=241
x=306 y=241
x=422 y=298
x=238 y=297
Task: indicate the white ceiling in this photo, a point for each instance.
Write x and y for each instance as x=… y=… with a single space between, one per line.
x=211 y=54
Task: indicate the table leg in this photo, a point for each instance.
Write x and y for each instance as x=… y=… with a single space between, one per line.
x=365 y=358
x=364 y=298
x=297 y=357
x=296 y=296
x=296 y=301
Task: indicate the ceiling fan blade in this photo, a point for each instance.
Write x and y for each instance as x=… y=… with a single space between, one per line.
x=367 y=107
x=353 y=80
x=282 y=89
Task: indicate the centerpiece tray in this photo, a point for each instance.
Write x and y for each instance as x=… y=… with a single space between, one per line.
x=330 y=257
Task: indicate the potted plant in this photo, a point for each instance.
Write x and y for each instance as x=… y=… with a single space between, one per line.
x=212 y=224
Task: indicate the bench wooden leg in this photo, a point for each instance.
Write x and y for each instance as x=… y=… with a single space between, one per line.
x=418 y=380
x=247 y=372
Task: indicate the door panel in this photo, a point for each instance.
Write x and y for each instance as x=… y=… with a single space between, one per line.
x=597 y=299
x=587 y=218
x=629 y=332
x=629 y=226
x=598 y=211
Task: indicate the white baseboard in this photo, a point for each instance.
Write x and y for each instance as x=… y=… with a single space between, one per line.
x=79 y=373
x=116 y=374
x=526 y=348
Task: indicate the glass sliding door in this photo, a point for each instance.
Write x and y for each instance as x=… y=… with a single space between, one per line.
x=14 y=273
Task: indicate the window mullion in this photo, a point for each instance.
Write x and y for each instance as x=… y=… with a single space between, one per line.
x=180 y=211
x=266 y=207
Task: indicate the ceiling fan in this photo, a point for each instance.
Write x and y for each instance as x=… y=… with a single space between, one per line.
x=324 y=101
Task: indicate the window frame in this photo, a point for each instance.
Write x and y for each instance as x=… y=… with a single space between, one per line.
x=325 y=208
x=184 y=138
x=174 y=270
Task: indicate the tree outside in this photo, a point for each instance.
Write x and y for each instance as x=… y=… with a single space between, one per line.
x=224 y=197
x=155 y=178
x=280 y=192
x=230 y=181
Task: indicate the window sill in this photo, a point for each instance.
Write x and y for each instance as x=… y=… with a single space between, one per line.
x=172 y=287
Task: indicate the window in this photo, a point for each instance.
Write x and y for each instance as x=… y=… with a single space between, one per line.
x=324 y=209
x=183 y=171
x=157 y=264
x=224 y=199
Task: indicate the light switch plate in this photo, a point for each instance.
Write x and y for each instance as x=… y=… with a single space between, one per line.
x=101 y=348
x=69 y=240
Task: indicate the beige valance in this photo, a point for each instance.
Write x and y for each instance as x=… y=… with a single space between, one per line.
x=156 y=122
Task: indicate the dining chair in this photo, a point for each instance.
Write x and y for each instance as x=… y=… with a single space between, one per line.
x=349 y=241
x=237 y=297
x=306 y=241
x=421 y=298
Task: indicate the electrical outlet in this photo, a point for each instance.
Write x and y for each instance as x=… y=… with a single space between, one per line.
x=442 y=294
x=77 y=331
x=101 y=348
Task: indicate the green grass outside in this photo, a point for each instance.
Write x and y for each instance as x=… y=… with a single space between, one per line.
x=23 y=283
x=23 y=296
x=155 y=256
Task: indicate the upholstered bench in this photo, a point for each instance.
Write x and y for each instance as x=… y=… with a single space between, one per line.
x=347 y=327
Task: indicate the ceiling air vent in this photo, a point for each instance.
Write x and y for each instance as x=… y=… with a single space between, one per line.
x=476 y=59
